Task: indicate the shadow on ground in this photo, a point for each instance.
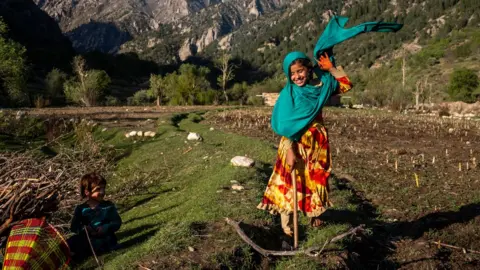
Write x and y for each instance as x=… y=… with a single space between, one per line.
x=375 y=248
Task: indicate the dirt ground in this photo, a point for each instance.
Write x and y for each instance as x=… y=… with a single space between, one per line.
x=415 y=178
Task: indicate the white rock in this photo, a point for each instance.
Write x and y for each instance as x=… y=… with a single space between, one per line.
x=240 y=161
x=153 y=134
x=104 y=129
x=191 y=249
x=192 y=136
x=127 y=135
x=140 y=133
x=146 y=134
x=132 y=133
x=212 y=129
x=238 y=187
x=20 y=114
x=450 y=130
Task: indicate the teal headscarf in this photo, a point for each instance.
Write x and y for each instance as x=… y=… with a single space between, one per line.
x=297 y=106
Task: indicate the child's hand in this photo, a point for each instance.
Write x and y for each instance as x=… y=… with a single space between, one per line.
x=90 y=230
x=325 y=63
x=291 y=159
x=100 y=230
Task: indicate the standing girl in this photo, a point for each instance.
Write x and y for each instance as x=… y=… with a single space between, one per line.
x=297 y=117
x=306 y=150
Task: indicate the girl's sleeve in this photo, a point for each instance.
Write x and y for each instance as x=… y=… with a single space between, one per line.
x=76 y=224
x=114 y=220
x=344 y=83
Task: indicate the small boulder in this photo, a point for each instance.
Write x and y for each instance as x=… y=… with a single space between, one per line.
x=451 y=130
x=212 y=129
x=146 y=134
x=192 y=136
x=20 y=114
x=240 y=161
x=238 y=187
x=132 y=133
x=140 y=133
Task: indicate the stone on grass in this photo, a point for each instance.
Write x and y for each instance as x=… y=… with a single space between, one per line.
x=238 y=187
x=132 y=133
x=212 y=129
x=192 y=136
x=240 y=161
x=20 y=114
x=191 y=249
x=140 y=133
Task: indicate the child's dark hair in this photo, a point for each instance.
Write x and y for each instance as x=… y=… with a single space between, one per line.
x=90 y=180
x=306 y=63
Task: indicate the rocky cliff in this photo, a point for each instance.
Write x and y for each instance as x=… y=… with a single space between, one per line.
x=105 y=25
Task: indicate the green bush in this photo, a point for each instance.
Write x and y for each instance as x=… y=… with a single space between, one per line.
x=111 y=101
x=463 y=85
x=141 y=97
x=238 y=93
x=255 y=101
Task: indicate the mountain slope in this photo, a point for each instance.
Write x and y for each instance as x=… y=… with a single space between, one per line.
x=106 y=24
x=30 y=26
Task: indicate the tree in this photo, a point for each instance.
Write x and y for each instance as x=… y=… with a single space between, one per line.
x=54 y=82
x=13 y=68
x=239 y=93
x=88 y=86
x=157 y=87
x=184 y=88
x=463 y=84
x=227 y=75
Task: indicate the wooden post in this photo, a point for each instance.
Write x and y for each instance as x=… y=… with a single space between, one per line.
x=295 y=210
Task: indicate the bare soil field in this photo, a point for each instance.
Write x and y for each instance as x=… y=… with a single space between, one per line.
x=414 y=178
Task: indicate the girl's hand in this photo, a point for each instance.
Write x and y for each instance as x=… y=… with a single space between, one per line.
x=90 y=230
x=291 y=159
x=325 y=63
x=100 y=230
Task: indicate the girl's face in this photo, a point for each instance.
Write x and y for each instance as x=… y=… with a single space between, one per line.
x=97 y=193
x=299 y=74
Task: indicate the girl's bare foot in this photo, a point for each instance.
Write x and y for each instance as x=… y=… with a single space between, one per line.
x=316 y=222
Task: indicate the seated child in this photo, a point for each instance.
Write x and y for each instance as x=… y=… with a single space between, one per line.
x=100 y=218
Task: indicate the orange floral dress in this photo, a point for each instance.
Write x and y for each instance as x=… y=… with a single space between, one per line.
x=312 y=170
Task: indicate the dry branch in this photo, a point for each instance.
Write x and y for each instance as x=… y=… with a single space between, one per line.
x=31 y=186
x=312 y=251
x=464 y=250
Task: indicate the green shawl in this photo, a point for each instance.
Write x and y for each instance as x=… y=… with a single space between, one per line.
x=297 y=106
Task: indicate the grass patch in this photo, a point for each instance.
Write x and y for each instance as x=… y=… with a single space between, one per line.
x=174 y=194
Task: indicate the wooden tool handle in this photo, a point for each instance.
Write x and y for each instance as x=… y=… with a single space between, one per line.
x=295 y=210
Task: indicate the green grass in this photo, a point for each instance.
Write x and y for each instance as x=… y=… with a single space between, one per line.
x=174 y=185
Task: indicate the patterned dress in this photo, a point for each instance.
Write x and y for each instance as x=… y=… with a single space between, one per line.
x=312 y=168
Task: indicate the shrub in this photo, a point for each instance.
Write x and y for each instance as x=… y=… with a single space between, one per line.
x=141 y=97
x=463 y=84
x=111 y=101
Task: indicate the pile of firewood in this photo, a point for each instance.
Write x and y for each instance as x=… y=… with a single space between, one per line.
x=31 y=186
